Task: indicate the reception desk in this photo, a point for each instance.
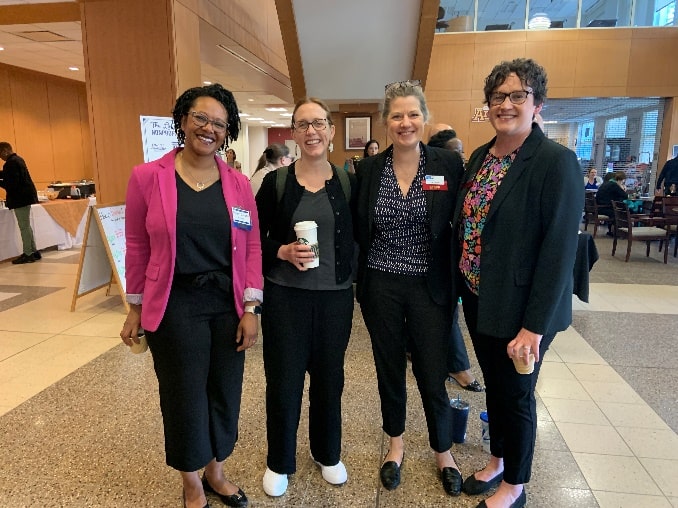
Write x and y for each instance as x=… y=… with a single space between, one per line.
x=59 y=223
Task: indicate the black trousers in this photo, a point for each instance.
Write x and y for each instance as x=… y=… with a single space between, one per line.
x=397 y=308
x=304 y=331
x=457 y=358
x=511 y=405
x=199 y=374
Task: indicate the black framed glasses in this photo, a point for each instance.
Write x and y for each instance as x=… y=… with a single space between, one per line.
x=517 y=97
x=200 y=120
x=400 y=84
x=319 y=124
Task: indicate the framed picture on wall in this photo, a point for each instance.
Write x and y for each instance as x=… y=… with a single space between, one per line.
x=357 y=132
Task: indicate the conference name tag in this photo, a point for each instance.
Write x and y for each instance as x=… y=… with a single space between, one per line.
x=242 y=219
x=434 y=182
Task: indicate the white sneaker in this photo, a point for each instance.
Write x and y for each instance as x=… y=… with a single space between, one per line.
x=274 y=484
x=336 y=475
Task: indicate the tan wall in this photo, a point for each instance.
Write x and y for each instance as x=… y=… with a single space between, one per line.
x=633 y=62
x=340 y=154
x=44 y=118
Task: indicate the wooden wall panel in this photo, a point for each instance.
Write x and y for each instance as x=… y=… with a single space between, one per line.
x=64 y=120
x=602 y=63
x=6 y=122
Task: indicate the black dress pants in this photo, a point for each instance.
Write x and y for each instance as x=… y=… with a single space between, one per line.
x=304 y=331
x=457 y=358
x=511 y=405
x=398 y=308
x=199 y=374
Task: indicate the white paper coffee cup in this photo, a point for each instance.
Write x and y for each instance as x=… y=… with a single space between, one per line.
x=520 y=366
x=142 y=347
x=307 y=234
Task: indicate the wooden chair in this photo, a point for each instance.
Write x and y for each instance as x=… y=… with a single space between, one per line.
x=624 y=228
x=591 y=215
x=670 y=214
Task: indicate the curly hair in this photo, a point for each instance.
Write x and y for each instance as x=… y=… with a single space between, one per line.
x=187 y=99
x=528 y=71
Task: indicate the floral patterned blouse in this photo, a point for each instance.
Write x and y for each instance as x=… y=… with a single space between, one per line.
x=474 y=213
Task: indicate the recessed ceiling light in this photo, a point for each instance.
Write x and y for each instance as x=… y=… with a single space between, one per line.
x=267 y=121
x=73 y=68
x=279 y=125
x=206 y=82
x=2 y=49
x=276 y=109
x=250 y=100
x=254 y=119
x=243 y=114
x=285 y=114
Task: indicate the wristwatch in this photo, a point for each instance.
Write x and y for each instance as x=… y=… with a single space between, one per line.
x=253 y=309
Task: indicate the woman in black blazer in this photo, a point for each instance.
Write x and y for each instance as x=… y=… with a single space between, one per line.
x=405 y=203
x=515 y=226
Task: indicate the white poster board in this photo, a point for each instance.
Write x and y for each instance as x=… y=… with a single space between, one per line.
x=102 y=259
x=157 y=136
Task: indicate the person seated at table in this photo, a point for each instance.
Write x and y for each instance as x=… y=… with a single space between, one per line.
x=591 y=180
x=611 y=190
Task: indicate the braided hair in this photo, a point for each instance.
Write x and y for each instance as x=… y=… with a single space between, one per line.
x=219 y=93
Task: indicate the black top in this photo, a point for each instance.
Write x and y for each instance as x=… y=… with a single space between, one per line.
x=17 y=182
x=669 y=174
x=608 y=192
x=277 y=228
x=203 y=230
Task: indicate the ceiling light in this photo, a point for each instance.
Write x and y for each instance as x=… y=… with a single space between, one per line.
x=241 y=114
x=2 y=49
x=279 y=125
x=206 y=82
x=267 y=121
x=539 y=21
x=285 y=114
x=253 y=119
x=276 y=109
x=73 y=68
x=250 y=100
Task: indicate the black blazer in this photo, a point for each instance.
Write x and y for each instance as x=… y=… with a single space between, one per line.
x=440 y=205
x=529 y=241
x=17 y=182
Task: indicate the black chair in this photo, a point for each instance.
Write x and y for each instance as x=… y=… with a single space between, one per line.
x=624 y=228
x=599 y=23
x=441 y=24
x=591 y=215
x=670 y=215
x=503 y=26
x=557 y=24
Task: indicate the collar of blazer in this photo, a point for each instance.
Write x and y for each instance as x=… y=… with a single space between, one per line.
x=526 y=152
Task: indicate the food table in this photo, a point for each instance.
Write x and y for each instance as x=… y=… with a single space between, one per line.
x=59 y=223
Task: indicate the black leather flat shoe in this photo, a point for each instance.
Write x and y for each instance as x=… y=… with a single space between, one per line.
x=473 y=386
x=238 y=500
x=473 y=487
x=518 y=503
x=451 y=478
x=389 y=474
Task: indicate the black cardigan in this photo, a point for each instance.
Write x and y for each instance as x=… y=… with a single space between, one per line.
x=275 y=219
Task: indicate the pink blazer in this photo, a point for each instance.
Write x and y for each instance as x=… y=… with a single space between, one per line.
x=150 y=229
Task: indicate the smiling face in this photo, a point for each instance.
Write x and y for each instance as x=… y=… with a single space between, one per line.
x=405 y=122
x=513 y=120
x=204 y=140
x=313 y=142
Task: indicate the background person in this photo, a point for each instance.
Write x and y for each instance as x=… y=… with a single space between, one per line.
x=592 y=181
x=275 y=156
x=405 y=201
x=458 y=363
x=371 y=148
x=307 y=319
x=517 y=222
x=668 y=177
x=20 y=195
x=611 y=190
x=193 y=291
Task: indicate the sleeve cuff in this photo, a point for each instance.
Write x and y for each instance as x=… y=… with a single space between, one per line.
x=134 y=299
x=252 y=294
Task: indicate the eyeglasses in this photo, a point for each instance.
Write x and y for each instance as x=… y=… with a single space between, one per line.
x=201 y=120
x=517 y=97
x=319 y=124
x=401 y=84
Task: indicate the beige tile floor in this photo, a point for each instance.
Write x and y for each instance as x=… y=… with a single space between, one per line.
x=621 y=452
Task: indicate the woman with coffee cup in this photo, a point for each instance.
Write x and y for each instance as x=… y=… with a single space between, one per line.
x=405 y=203
x=515 y=224
x=306 y=322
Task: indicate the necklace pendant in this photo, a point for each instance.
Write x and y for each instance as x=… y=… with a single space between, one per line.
x=200 y=185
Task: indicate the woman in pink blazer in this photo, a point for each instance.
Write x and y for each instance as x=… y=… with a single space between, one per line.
x=194 y=283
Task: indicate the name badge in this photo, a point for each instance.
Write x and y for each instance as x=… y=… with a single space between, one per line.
x=434 y=183
x=242 y=219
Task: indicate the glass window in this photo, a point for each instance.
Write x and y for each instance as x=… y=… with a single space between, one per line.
x=501 y=15
x=557 y=15
x=605 y=13
x=585 y=144
x=654 y=13
x=458 y=14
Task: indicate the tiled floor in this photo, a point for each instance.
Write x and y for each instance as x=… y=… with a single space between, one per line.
x=80 y=422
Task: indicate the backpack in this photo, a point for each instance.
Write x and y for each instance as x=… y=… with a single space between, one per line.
x=281 y=177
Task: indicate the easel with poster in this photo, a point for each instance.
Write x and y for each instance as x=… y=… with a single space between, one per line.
x=102 y=258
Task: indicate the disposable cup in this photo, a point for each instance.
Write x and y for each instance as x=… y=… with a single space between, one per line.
x=142 y=347
x=485 y=435
x=307 y=234
x=520 y=366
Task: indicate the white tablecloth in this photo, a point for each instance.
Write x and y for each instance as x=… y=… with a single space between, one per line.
x=46 y=231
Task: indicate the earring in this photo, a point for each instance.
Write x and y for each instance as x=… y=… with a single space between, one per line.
x=296 y=150
x=331 y=147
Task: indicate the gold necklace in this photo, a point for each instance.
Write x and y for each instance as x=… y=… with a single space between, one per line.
x=199 y=185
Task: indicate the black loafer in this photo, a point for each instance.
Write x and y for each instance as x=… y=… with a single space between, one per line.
x=473 y=486
x=389 y=474
x=518 y=503
x=451 y=478
x=238 y=500
x=473 y=386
